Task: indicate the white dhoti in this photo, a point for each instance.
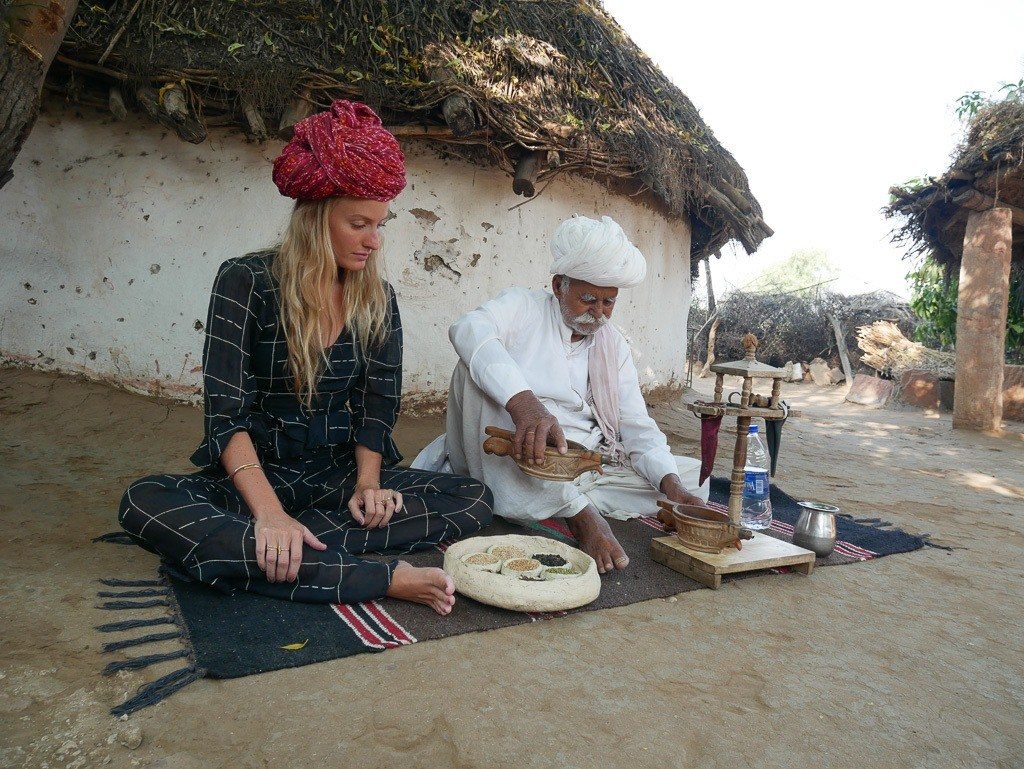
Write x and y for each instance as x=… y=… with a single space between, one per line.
x=619 y=493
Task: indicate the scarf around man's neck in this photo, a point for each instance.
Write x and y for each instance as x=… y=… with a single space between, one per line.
x=603 y=372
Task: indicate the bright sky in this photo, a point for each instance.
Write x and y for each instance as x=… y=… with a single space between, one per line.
x=828 y=105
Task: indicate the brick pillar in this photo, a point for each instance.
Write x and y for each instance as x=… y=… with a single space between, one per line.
x=981 y=320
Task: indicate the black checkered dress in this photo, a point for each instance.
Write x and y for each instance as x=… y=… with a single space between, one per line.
x=201 y=523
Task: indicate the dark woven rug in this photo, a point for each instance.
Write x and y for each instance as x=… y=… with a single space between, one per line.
x=243 y=634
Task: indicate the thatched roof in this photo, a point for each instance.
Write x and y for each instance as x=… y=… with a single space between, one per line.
x=987 y=168
x=508 y=82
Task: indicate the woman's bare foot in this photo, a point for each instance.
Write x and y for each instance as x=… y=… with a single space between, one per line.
x=596 y=539
x=428 y=586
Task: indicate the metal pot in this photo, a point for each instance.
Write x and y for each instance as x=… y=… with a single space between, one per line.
x=816 y=528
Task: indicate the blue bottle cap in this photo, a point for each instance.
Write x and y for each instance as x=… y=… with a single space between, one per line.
x=752 y=430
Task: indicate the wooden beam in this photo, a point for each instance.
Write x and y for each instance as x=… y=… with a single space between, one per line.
x=973 y=200
x=298 y=109
x=526 y=174
x=170 y=108
x=458 y=113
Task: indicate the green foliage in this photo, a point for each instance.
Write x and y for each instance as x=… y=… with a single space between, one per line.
x=933 y=299
x=970 y=104
x=802 y=273
x=967 y=106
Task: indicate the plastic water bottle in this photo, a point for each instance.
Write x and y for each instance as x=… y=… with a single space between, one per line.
x=757 y=504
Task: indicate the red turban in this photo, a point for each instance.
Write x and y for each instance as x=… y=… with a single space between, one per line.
x=341 y=151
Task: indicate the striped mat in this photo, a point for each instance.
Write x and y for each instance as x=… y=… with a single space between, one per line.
x=243 y=634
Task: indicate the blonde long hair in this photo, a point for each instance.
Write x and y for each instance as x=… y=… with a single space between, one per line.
x=305 y=268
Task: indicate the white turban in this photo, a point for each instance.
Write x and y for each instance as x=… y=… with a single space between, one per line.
x=597 y=253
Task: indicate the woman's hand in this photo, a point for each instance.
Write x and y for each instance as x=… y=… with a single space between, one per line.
x=279 y=540
x=372 y=506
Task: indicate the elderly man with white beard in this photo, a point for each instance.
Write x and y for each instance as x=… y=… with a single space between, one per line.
x=551 y=367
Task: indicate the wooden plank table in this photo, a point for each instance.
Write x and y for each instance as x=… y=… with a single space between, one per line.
x=761 y=552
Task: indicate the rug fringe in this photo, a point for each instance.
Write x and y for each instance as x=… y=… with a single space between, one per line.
x=115 y=538
x=167 y=685
x=113 y=646
x=129 y=624
x=136 y=663
x=131 y=582
x=133 y=593
x=874 y=523
x=927 y=541
x=112 y=605
x=160 y=689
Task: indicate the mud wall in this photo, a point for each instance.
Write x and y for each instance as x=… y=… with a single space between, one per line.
x=111 y=233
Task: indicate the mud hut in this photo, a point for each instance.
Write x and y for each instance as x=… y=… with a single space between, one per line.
x=150 y=165
x=971 y=219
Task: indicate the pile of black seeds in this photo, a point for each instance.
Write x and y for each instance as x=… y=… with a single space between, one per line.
x=550 y=559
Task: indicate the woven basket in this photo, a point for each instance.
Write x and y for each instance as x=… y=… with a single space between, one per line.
x=519 y=594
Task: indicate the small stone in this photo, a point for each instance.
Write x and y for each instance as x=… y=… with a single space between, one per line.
x=837 y=375
x=130 y=736
x=672 y=599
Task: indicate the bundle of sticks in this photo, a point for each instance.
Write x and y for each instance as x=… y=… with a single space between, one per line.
x=886 y=349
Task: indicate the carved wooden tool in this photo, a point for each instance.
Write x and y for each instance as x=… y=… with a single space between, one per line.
x=701 y=528
x=555 y=467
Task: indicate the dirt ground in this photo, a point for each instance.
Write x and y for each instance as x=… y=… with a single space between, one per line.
x=911 y=661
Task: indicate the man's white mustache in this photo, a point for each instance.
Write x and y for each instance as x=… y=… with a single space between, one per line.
x=586 y=319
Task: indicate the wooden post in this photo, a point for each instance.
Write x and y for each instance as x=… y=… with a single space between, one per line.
x=526 y=174
x=844 y=354
x=719 y=382
x=711 y=349
x=982 y=306
x=33 y=32
x=739 y=462
x=776 y=393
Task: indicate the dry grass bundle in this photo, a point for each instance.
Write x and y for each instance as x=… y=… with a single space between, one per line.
x=557 y=80
x=887 y=350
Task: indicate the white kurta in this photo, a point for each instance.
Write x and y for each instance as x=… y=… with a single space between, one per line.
x=518 y=341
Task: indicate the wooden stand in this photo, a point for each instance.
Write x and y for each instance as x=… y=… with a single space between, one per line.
x=761 y=552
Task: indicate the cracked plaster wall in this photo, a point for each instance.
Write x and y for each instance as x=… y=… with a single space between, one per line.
x=112 y=233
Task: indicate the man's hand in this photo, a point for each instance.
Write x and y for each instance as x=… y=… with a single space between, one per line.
x=672 y=488
x=534 y=427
